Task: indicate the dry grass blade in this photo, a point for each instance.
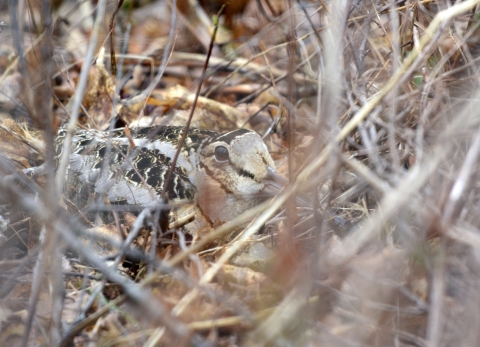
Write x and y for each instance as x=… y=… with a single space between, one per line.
x=78 y=96
x=368 y=118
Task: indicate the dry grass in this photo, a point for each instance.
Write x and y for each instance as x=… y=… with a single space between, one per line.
x=368 y=107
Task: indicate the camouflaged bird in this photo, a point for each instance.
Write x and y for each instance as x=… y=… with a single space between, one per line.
x=223 y=174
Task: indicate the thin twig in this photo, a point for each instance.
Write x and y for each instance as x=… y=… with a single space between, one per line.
x=400 y=196
x=112 y=40
x=190 y=116
x=78 y=96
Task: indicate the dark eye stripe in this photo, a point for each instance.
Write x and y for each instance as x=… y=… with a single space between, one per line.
x=245 y=173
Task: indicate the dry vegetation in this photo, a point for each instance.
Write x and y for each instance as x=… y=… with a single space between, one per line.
x=369 y=107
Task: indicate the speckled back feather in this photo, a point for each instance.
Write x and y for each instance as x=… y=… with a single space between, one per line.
x=224 y=174
x=135 y=175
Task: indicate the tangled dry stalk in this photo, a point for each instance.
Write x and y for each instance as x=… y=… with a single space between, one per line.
x=370 y=109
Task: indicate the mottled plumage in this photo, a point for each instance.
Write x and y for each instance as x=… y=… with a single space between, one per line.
x=225 y=174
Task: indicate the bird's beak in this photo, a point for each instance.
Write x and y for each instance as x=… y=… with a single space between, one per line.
x=274 y=183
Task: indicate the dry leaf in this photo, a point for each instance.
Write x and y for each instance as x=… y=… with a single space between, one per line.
x=14 y=145
x=99 y=95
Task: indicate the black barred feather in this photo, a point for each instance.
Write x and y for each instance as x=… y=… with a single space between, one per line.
x=224 y=174
x=134 y=175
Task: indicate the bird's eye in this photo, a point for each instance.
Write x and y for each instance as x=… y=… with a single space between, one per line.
x=221 y=153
